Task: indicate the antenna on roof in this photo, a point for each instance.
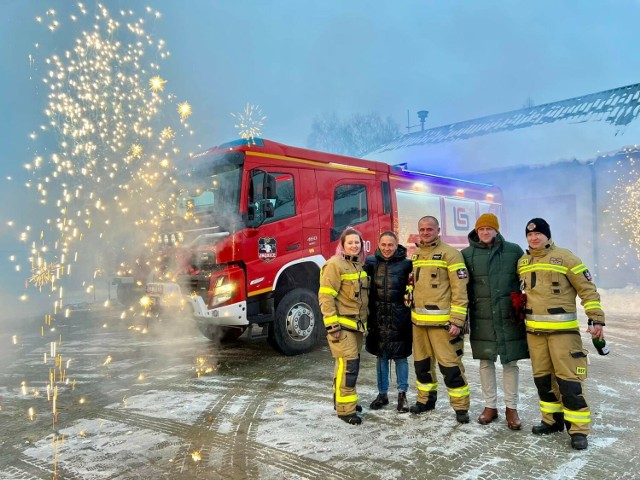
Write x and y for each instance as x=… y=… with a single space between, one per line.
x=422 y=115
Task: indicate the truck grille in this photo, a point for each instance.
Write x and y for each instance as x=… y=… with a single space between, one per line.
x=198 y=284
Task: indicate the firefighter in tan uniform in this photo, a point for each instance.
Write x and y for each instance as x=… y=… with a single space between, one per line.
x=551 y=277
x=343 y=296
x=438 y=314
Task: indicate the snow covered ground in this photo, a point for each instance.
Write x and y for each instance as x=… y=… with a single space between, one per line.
x=170 y=404
x=621 y=300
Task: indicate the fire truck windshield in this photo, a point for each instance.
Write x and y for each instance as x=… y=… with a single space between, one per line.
x=205 y=197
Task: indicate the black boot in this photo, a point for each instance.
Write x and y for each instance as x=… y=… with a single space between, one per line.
x=545 y=429
x=381 y=400
x=352 y=419
x=462 y=416
x=419 y=408
x=403 y=405
x=579 y=441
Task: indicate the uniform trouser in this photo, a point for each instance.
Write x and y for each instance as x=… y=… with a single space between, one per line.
x=559 y=365
x=510 y=381
x=346 y=351
x=431 y=344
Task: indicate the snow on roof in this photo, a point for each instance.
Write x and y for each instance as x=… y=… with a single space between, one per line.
x=581 y=128
x=618 y=106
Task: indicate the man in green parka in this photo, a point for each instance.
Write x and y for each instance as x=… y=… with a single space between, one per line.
x=492 y=264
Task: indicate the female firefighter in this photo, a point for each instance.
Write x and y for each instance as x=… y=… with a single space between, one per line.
x=343 y=300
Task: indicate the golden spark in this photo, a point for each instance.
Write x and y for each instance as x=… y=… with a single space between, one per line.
x=250 y=123
x=45 y=273
x=167 y=134
x=184 y=109
x=157 y=84
x=135 y=151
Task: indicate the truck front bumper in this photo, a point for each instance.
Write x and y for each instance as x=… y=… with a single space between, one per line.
x=228 y=315
x=168 y=296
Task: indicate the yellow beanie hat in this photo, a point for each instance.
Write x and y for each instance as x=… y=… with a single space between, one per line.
x=488 y=220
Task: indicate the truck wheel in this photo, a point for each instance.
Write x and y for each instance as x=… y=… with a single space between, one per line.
x=297 y=322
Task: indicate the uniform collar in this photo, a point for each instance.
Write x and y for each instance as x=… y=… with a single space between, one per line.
x=539 y=252
x=435 y=243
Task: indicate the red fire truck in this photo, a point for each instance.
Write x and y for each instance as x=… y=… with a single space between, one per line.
x=249 y=225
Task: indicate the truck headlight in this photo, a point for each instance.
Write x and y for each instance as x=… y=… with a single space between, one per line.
x=223 y=291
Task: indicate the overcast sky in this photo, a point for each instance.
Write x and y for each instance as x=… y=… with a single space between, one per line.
x=297 y=60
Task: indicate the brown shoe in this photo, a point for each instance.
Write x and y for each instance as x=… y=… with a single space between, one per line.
x=403 y=404
x=487 y=416
x=513 y=421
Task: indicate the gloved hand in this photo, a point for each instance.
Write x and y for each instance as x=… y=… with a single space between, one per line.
x=518 y=304
x=408 y=292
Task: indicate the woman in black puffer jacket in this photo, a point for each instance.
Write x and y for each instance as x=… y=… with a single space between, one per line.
x=389 y=323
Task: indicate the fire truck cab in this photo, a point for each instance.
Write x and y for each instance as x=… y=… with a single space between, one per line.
x=248 y=225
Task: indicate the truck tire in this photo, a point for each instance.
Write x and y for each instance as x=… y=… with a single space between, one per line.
x=297 y=322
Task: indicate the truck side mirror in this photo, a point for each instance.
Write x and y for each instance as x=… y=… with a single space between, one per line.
x=267 y=208
x=269 y=187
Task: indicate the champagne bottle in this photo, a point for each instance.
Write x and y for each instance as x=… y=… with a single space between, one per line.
x=601 y=345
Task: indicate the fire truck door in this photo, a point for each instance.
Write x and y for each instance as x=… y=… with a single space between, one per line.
x=352 y=202
x=278 y=240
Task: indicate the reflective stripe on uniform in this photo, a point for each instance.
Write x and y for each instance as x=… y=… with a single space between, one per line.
x=550 y=407
x=558 y=321
x=435 y=318
x=574 y=416
x=353 y=276
x=427 y=387
x=329 y=291
x=553 y=317
x=457 y=266
x=579 y=268
x=330 y=320
x=458 y=309
x=543 y=267
x=339 y=376
x=550 y=325
x=425 y=311
x=594 y=305
x=429 y=263
x=344 y=321
x=459 y=392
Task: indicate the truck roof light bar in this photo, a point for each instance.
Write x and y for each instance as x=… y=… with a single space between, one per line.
x=402 y=167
